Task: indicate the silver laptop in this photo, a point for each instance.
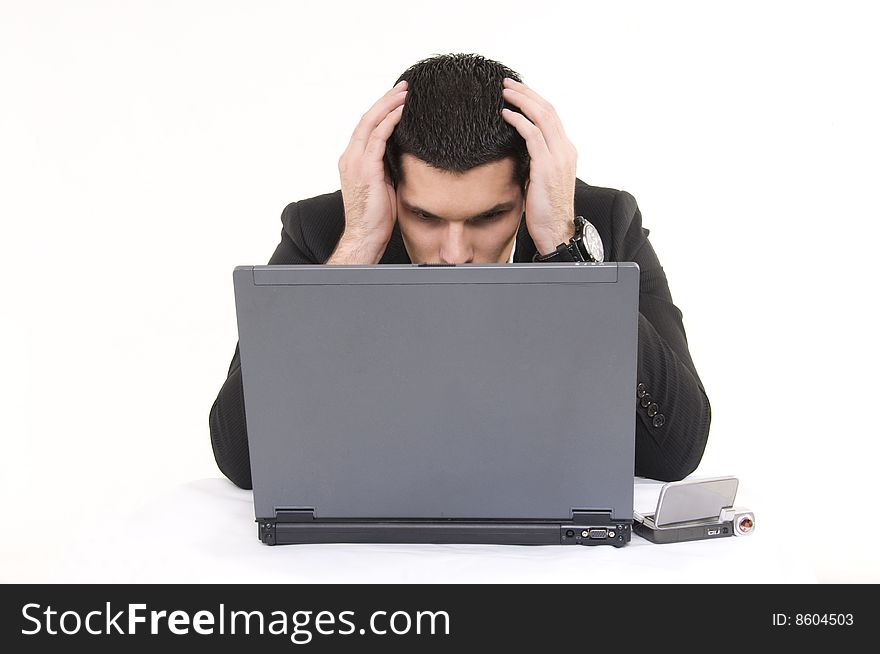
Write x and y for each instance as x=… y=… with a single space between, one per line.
x=474 y=403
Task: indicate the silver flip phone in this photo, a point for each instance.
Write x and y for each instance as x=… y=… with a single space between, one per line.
x=695 y=509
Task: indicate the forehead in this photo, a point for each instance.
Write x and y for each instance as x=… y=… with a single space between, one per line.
x=429 y=187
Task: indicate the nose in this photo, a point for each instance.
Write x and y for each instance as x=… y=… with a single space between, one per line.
x=455 y=247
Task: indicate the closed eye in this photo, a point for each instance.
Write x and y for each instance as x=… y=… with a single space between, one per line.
x=427 y=219
x=482 y=219
x=489 y=217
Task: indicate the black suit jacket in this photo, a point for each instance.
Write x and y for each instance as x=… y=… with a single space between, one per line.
x=672 y=409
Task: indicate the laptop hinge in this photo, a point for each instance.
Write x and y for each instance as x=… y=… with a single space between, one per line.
x=589 y=516
x=294 y=515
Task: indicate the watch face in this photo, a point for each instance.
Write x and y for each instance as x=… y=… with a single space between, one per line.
x=594 y=243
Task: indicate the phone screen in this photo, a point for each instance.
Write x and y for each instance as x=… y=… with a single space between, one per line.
x=700 y=499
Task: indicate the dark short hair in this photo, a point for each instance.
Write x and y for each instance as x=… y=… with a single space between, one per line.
x=452 y=117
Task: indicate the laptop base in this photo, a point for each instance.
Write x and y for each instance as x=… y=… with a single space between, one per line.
x=278 y=532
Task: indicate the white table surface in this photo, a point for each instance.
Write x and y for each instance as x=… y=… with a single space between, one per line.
x=204 y=531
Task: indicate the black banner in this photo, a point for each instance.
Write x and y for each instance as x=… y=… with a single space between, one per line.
x=429 y=618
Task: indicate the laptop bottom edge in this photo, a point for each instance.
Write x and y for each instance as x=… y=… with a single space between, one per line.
x=614 y=532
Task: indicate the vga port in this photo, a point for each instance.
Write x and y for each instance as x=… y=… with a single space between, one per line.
x=598 y=533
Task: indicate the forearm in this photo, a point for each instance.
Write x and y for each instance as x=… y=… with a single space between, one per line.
x=673 y=426
x=229 y=438
x=672 y=413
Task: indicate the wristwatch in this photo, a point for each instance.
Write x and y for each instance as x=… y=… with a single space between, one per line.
x=585 y=245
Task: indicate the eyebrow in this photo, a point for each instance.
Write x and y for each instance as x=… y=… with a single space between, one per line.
x=501 y=206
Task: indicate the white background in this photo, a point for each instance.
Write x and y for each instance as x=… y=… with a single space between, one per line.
x=146 y=148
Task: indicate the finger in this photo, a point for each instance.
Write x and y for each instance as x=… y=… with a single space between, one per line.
x=527 y=90
x=533 y=136
x=542 y=114
x=375 y=149
x=370 y=120
x=376 y=114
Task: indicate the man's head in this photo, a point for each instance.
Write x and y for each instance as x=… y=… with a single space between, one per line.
x=453 y=158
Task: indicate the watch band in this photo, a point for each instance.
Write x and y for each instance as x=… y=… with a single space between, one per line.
x=570 y=251
x=561 y=253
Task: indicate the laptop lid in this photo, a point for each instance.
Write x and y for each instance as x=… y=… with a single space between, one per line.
x=477 y=391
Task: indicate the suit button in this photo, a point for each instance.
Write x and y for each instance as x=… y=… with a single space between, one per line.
x=642 y=390
x=652 y=409
x=646 y=400
x=659 y=419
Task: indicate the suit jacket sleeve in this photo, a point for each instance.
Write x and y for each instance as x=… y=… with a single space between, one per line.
x=672 y=409
x=227 y=417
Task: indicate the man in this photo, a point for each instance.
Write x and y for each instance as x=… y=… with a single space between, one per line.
x=460 y=162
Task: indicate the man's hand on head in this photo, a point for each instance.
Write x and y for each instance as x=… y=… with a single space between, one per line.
x=550 y=194
x=367 y=193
